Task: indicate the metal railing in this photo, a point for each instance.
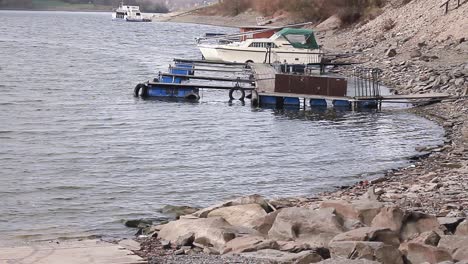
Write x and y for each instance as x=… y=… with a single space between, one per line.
x=367 y=82
x=446 y=4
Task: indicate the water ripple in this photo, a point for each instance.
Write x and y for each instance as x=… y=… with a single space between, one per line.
x=79 y=153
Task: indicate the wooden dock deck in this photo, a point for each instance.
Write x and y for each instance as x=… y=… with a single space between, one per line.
x=264 y=75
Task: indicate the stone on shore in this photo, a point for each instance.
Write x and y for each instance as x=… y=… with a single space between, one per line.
x=377 y=251
x=389 y=217
x=185 y=240
x=264 y=224
x=210 y=232
x=462 y=229
x=428 y=238
x=292 y=246
x=362 y=210
x=384 y=235
x=315 y=227
x=417 y=223
x=420 y=253
x=240 y=215
x=451 y=223
x=249 y=244
x=251 y=199
x=391 y=53
x=282 y=257
x=455 y=245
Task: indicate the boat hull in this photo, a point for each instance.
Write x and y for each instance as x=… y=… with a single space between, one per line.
x=225 y=54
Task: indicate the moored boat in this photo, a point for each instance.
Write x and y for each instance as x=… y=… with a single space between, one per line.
x=289 y=45
x=129 y=14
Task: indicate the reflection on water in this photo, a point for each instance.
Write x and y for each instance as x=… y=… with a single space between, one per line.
x=79 y=153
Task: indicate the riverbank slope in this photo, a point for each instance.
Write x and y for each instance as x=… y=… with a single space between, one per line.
x=420 y=49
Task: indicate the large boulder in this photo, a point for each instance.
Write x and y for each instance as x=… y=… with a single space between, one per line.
x=240 y=215
x=377 y=251
x=210 y=232
x=462 y=229
x=452 y=243
x=264 y=224
x=315 y=227
x=282 y=257
x=249 y=244
x=461 y=255
x=389 y=217
x=421 y=253
x=455 y=245
x=362 y=210
x=384 y=235
x=251 y=199
x=417 y=223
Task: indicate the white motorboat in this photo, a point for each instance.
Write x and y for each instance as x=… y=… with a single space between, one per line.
x=128 y=13
x=290 y=45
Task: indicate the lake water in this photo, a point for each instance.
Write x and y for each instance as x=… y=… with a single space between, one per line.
x=78 y=153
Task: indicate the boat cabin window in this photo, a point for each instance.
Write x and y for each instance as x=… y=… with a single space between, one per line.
x=138 y=14
x=297 y=39
x=263 y=45
x=119 y=15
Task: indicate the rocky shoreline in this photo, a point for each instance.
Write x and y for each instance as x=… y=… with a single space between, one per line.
x=415 y=214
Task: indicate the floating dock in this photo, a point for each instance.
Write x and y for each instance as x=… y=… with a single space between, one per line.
x=280 y=89
x=275 y=86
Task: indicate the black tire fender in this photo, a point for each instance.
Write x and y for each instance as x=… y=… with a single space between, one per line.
x=231 y=94
x=143 y=88
x=192 y=96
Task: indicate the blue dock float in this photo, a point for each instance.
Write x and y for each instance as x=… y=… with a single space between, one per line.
x=291 y=101
x=341 y=104
x=170 y=87
x=182 y=69
x=268 y=101
x=367 y=104
x=322 y=103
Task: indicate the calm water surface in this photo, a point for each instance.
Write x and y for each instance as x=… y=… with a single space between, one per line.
x=78 y=153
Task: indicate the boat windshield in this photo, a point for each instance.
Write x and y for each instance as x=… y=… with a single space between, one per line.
x=299 y=38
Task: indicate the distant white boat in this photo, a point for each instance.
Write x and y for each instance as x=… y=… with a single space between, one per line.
x=129 y=13
x=290 y=45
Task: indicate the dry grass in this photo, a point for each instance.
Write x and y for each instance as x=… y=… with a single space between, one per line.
x=349 y=11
